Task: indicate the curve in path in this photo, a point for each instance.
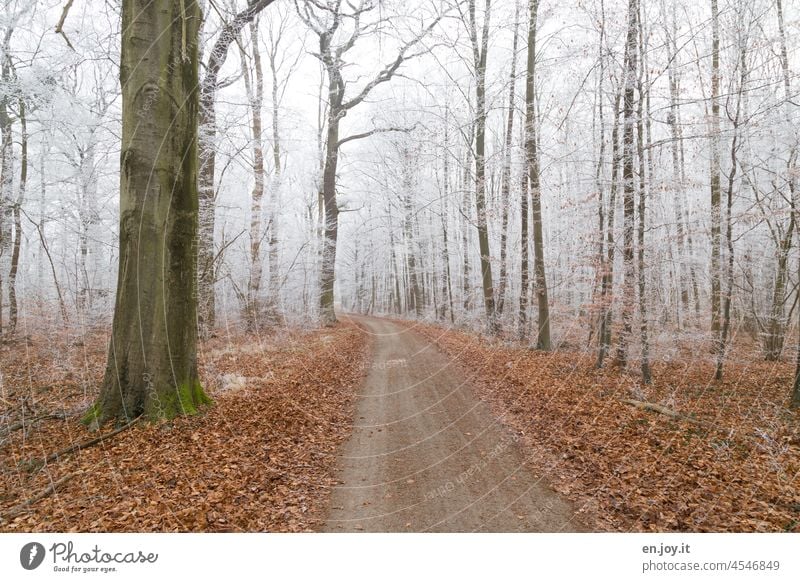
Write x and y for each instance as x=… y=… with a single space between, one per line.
x=427 y=455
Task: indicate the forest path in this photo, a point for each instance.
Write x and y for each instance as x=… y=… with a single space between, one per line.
x=427 y=455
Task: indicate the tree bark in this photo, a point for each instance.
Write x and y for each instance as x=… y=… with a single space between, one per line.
x=716 y=208
x=532 y=162
x=255 y=92
x=13 y=308
x=628 y=185
x=724 y=331
x=641 y=210
x=207 y=257
x=152 y=361
x=607 y=284
x=505 y=193
x=480 y=50
x=6 y=165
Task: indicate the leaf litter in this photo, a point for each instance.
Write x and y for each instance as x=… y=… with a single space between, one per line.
x=260 y=459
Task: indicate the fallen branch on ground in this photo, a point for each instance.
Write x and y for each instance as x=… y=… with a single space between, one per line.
x=653 y=407
x=38 y=463
x=27 y=423
x=25 y=505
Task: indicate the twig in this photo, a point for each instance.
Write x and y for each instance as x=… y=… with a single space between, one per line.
x=81 y=446
x=26 y=423
x=653 y=407
x=62 y=20
x=25 y=505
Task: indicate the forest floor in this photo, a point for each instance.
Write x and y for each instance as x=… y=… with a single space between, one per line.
x=260 y=459
x=427 y=455
x=450 y=431
x=729 y=463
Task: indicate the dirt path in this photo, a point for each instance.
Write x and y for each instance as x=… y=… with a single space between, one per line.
x=427 y=455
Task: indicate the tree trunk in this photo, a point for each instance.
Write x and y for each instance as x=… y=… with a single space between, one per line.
x=628 y=185
x=726 y=304
x=23 y=181
x=524 y=264
x=415 y=288
x=677 y=183
x=505 y=192
x=480 y=53
x=447 y=282
x=152 y=361
x=207 y=257
x=532 y=159
x=716 y=209
x=255 y=94
x=641 y=210
x=331 y=227
x=607 y=284
x=274 y=302
x=6 y=168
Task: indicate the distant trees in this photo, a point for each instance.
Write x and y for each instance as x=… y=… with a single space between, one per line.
x=338 y=29
x=208 y=256
x=638 y=197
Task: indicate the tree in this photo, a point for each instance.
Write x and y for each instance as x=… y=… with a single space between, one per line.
x=532 y=167
x=716 y=188
x=6 y=158
x=628 y=185
x=152 y=361
x=480 y=49
x=338 y=31
x=255 y=95
x=207 y=255
x=506 y=178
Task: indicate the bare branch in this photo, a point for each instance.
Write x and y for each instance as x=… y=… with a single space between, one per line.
x=374 y=131
x=62 y=20
x=389 y=70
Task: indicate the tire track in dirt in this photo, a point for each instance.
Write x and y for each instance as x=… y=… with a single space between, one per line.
x=427 y=455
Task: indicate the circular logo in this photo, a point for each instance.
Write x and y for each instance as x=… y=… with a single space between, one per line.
x=31 y=555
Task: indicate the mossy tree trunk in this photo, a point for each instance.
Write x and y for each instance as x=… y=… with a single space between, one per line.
x=152 y=361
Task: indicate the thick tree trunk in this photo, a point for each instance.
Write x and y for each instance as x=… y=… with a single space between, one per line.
x=152 y=361
x=415 y=285
x=447 y=281
x=466 y=291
